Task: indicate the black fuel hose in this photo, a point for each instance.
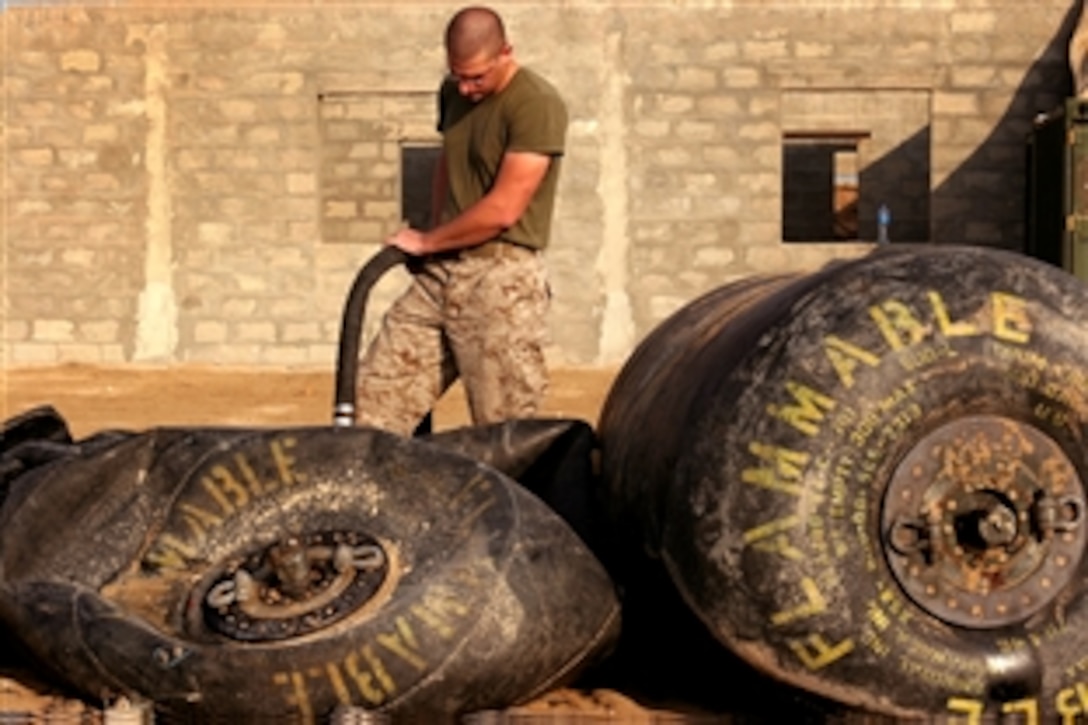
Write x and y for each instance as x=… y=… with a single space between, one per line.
x=351 y=327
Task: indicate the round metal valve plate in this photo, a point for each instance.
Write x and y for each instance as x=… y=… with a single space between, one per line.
x=295 y=586
x=983 y=521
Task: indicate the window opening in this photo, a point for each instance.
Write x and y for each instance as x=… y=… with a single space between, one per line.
x=417 y=163
x=821 y=186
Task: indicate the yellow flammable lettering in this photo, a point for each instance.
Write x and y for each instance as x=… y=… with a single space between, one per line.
x=220 y=498
x=339 y=685
x=362 y=670
x=771 y=537
x=814 y=604
x=878 y=617
x=897 y=324
x=1069 y=709
x=364 y=678
x=947 y=327
x=808 y=413
x=901 y=328
x=285 y=462
x=170 y=552
x=255 y=486
x=970 y=708
x=1068 y=705
x=225 y=489
x=403 y=644
x=433 y=621
x=845 y=358
x=1082 y=695
x=1028 y=706
x=1011 y=320
x=298 y=696
x=378 y=668
x=816 y=653
x=783 y=472
x=198 y=519
x=445 y=603
x=437 y=609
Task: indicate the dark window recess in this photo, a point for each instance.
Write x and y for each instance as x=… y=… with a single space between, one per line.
x=821 y=187
x=416 y=170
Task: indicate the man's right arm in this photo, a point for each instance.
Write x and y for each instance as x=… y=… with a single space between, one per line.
x=519 y=177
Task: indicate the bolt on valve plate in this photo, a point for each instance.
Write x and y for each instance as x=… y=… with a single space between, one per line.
x=983 y=521
x=295 y=586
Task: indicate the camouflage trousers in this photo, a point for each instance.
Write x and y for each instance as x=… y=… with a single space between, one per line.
x=479 y=315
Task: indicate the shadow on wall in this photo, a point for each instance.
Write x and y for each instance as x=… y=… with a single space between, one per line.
x=900 y=179
x=982 y=200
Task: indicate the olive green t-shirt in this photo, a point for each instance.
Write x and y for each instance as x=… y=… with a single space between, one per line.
x=527 y=115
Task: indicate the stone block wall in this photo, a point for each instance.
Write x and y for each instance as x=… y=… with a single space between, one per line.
x=194 y=183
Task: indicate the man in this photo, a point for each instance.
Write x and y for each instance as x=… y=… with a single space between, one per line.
x=478 y=301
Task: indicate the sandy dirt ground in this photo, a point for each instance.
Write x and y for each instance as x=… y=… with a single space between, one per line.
x=93 y=398
x=132 y=398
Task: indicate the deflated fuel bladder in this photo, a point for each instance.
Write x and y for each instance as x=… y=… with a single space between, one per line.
x=274 y=574
x=867 y=482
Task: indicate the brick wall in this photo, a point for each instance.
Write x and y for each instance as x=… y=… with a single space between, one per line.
x=190 y=183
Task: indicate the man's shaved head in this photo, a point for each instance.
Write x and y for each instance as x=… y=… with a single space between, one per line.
x=474 y=30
